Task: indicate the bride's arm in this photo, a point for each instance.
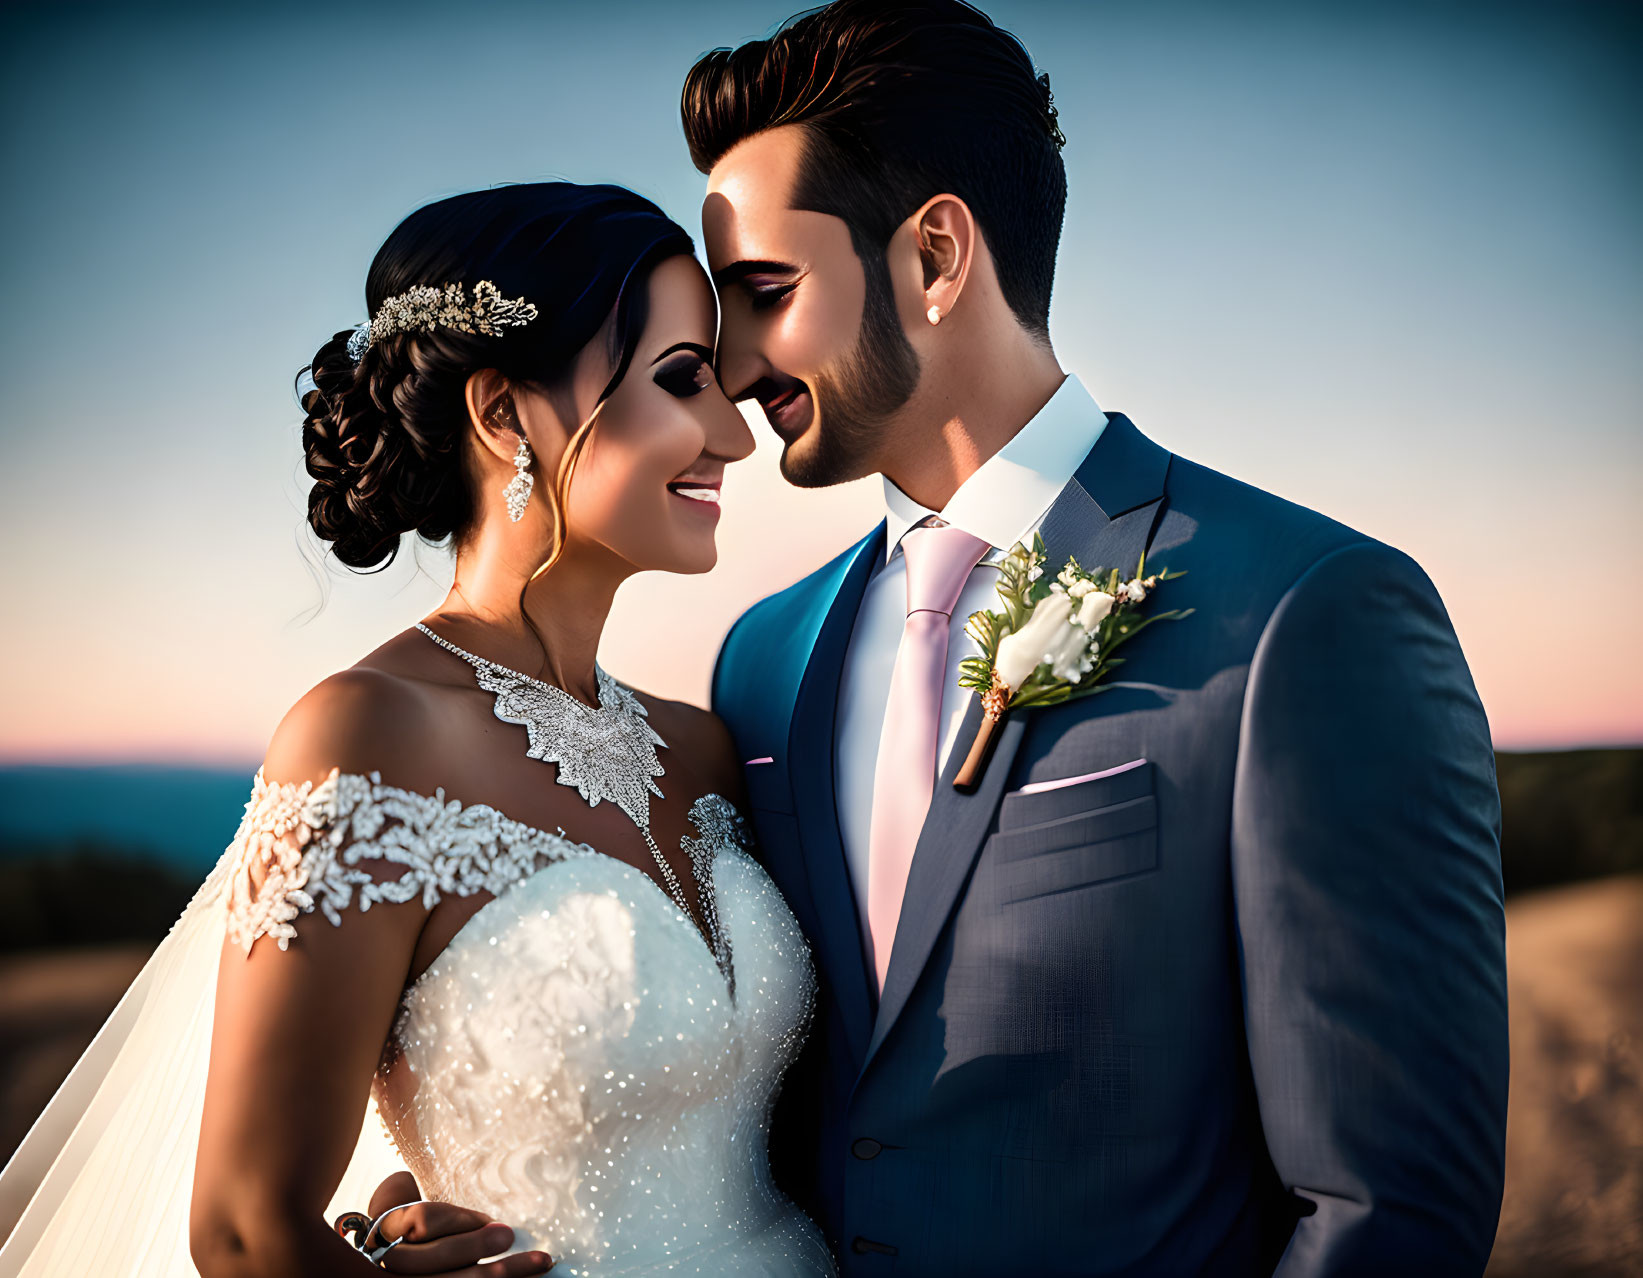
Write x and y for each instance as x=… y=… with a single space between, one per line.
x=298 y=1030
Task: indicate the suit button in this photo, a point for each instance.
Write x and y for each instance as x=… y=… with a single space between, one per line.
x=866 y=1147
x=861 y=1246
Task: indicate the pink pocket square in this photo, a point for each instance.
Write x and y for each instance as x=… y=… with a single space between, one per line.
x=751 y=762
x=1061 y=783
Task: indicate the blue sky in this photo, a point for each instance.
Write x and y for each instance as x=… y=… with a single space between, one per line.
x=1383 y=260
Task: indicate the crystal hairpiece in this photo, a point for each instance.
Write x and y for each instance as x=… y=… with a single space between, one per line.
x=420 y=309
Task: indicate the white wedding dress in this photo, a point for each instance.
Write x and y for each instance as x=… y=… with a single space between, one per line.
x=578 y=1061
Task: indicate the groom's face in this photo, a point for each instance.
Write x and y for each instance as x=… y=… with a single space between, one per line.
x=804 y=329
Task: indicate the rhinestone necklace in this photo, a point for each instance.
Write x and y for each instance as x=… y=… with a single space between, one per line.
x=608 y=752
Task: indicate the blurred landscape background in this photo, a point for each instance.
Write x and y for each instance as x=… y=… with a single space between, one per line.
x=1383 y=259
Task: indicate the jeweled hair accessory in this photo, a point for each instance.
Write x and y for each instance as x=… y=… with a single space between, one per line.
x=423 y=308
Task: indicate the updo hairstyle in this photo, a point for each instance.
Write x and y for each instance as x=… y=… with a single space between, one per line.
x=383 y=437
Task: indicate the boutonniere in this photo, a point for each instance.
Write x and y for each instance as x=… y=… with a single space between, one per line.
x=1053 y=642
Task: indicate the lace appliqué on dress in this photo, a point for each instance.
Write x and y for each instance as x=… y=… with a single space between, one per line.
x=311 y=843
x=718 y=826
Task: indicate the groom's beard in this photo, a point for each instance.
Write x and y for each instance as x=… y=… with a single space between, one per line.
x=856 y=398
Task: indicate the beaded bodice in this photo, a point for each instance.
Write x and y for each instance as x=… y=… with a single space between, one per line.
x=578 y=1061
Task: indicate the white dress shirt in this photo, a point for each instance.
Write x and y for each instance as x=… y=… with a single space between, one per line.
x=1002 y=503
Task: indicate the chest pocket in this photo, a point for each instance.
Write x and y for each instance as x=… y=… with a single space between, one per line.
x=1076 y=836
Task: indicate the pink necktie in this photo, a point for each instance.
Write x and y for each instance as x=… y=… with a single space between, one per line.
x=939 y=561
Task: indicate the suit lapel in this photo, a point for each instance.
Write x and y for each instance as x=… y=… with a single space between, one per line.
x=810 y=750
x=1123 y=472
x=1105 y=515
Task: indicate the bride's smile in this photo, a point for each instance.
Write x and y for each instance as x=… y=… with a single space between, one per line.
x=700 y=492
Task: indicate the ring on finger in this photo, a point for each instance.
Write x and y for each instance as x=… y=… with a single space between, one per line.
x=367 y=1242
x=377 y=1255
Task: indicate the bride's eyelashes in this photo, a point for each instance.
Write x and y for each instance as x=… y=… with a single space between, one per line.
x=765 y=298
x=684 y=374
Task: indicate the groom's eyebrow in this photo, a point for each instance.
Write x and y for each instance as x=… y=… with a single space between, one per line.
x=736 y=272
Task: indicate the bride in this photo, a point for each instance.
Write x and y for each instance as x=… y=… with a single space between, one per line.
x=481 y=887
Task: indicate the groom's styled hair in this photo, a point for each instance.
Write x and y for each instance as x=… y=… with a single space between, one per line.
x=902 y=100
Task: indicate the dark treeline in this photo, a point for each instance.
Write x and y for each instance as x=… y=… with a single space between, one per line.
x=1568 y=816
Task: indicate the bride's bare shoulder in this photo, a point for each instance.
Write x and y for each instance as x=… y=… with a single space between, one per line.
x=361 y=720
x=701 y=736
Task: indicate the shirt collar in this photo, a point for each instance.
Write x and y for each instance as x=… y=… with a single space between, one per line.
x=1012 y=491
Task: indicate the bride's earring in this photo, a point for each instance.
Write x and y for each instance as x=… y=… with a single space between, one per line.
x=933 y=315
x=518 y=491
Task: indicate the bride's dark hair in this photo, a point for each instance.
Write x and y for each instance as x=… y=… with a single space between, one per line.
x=383 y=437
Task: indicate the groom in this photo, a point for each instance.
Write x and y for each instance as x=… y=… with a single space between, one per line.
x=1205 y=975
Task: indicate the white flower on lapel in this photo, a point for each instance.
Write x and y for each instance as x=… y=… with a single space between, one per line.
x=1045 y=639
x=1095 y=605
x=1053 y=641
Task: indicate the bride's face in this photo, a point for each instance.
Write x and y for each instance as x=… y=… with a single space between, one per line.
x=646 y=486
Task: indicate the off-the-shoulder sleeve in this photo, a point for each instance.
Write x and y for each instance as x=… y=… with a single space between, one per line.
x=350 y=841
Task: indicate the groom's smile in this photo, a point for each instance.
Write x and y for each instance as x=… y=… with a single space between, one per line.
x=790 y=410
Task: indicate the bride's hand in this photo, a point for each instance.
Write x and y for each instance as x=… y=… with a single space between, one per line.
x=444 y=1239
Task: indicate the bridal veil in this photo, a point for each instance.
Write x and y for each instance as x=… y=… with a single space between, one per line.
x=101 y=1184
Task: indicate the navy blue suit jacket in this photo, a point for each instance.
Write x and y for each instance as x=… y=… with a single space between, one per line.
x=1240 y=1009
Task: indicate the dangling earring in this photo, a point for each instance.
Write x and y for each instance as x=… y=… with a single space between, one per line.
x=518 y=492
x=933 y=314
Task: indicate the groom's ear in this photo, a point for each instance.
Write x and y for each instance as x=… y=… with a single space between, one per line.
x=947 y=237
